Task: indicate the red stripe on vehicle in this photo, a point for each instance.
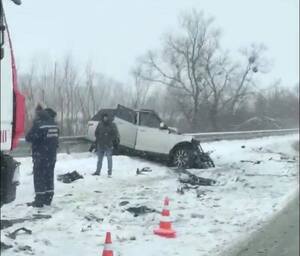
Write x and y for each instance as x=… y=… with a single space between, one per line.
x=19 y=99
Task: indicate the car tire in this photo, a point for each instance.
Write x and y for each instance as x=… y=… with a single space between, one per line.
x=182 y=157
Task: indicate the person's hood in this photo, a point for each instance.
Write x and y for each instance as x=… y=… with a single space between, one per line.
x=51 y=112
x=105 y=115
x=43 y=115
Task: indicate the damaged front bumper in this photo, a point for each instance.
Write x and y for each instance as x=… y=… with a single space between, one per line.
x=202 y=159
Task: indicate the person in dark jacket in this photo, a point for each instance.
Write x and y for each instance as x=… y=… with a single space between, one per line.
x=43 y=137
x=107 y=137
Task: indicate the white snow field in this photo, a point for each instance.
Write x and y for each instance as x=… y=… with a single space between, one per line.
x=245 y=197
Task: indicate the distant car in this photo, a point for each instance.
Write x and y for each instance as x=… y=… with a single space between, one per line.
x=143 y=133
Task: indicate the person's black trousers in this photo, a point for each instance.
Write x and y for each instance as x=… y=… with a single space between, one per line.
x=43 y=178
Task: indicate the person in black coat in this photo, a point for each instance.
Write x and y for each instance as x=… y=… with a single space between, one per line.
x=107 y=137
x=43 y=137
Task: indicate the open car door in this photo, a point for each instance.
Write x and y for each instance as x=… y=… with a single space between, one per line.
x=125 y=119
x=151 y=138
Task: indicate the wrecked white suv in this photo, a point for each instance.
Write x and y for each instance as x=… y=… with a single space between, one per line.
x=142 y=133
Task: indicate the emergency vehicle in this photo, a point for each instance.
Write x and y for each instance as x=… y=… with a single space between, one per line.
x=12 y=111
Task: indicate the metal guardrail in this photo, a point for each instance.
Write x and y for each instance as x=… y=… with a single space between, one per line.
x=67 y=144
x=236 y=135
x=74 y=144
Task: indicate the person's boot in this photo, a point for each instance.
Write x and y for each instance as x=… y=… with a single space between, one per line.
x=48 y=198
x=109 y=173
x=38 y=201
x=35 y=204
x=96 y=173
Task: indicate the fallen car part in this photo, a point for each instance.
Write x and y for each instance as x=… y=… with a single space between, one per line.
x=69 y=177
x=143 y=170
x=193 y=179
x=140 y=210
x=9 y=223
x=92 y=217
x=13 y=235
x=123 y=203
x=249 y=161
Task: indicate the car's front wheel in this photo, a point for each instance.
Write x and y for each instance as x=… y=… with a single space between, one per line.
x=182 y=157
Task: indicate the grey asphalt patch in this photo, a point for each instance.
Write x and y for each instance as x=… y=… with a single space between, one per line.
x=280 y=237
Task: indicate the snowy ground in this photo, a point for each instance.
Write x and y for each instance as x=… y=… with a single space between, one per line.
x=246 y=196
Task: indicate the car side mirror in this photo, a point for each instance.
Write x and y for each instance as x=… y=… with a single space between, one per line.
x=163 y=126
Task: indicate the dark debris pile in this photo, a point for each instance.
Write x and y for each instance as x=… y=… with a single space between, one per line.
x=140 y=210
x=69 y=177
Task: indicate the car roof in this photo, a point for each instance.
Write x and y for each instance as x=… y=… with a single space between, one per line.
x=146 y=110
x=137 y=110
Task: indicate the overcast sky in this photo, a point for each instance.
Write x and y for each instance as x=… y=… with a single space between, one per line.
x=113 y=33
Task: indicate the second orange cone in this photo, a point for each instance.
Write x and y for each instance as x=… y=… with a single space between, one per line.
x=108 y=251
x=165 y=225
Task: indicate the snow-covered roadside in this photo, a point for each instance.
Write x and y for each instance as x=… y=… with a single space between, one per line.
x=246 y=196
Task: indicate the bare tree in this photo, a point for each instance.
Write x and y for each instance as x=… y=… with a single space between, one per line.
x=202 y=74
x=229 y=83
x=255 y=62
x=180 y=64
x=76 y=99
x=141 y=87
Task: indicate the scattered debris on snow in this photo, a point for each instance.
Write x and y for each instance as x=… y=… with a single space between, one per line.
x=194 y=180
x=123 y=203
x=69 y=177
x=249 y=161
x=13 y=235
x=92 y=217
x=140 y=210
x=8 y=223
x=143 y=170
x=207 y=218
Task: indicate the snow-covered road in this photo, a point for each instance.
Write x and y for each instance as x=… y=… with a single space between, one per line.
x=246 y=196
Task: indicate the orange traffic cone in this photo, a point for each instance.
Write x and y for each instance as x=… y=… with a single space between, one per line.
x=165 y=225
x=107 y=251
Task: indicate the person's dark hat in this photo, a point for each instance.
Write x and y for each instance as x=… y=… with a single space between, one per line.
x=51 y=112
x=104 y=115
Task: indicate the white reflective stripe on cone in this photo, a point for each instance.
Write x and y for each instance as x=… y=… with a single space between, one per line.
x=166 y=207
x=108 y=247
x=165 y=219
